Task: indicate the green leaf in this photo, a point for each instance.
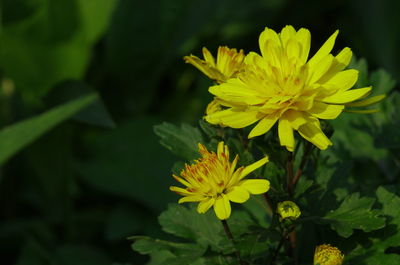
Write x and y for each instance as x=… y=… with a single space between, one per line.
x=355 y=213
x=205 y=229
x=129 y=162
x=258 y=208
x=302 y=186
x=166 y=252
x=15 y=137
x=210 y=130
x=362 y=66
x=376 y=250
x=52 y=44
x=181 y=141
x=160 y=257
x=96 y=114
x=146 y=245
x=387 y=135
x=382 y=82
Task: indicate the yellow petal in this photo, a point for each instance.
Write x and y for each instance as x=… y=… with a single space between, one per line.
x=367 y=101
x=238 y=194
x=321 y=68
x=263 y=126
x=234 y=90
x=303 y=36
x=250 y=168
x=339 y=63
x=347 y=96
x=268 y=35
x=343 y=80
x=325 y=111
x=325 y=49
x=253 y=58
x=220 y=149
x=213 y=106
x=194 y=198
x=296 y=118
x=208 y=56
x=222 y=207
x=181 y=191
x=205 y=205
x=312 y=132
x=293 y=49
x=204 y=67
x=255 y=186
x=181 y=180
x=287 y=33
x=285 y=132
x=233 y=164
x=343 y=58
x=232 y=117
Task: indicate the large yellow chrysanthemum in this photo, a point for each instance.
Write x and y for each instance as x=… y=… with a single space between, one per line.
x=213 y=181
x=282 y=85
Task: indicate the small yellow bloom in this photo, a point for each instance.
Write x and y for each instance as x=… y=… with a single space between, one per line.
x=213 y=181
x=327 y=255
x=284 y=86
x=288 y=209
x=228 y=63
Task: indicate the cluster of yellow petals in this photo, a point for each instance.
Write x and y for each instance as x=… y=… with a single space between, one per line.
x=327 y=255
x=283 y=85
x=213 y=180
x=228 y=63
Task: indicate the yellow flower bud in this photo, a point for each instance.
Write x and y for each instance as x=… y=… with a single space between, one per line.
x=327 y=255
x=288 y=209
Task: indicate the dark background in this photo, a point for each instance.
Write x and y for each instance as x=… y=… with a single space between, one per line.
x=74 y=195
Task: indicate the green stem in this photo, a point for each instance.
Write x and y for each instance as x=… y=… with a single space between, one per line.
x=284 y=238
x=293 y=246
x=268 y=200
x=290 y=174
x=303 y=163
x=230 y=236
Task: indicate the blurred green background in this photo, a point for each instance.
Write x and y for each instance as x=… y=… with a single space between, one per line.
x=99 y=174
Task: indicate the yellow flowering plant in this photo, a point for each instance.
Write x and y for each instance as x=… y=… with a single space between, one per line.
x=262 y=195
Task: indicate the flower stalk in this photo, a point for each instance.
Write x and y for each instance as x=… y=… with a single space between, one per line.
x=290 y=174
x=304 y=159
x=230 y=237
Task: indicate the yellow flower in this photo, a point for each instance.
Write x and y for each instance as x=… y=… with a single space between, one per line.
x=288 y=209
x=229 y=62
x=213 y=181
x=282 y=85
x=327 y=255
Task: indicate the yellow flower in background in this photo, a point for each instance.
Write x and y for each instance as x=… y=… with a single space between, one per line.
x=213 y=181
x=327 y=255
x=284 y=86
x=288 y=210
x=227 y=64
